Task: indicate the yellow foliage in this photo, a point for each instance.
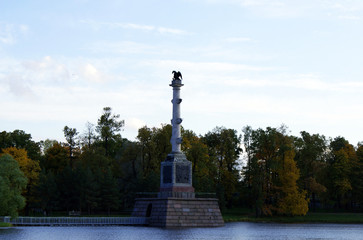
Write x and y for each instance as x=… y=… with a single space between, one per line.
x=292 y=201
x=29 y=167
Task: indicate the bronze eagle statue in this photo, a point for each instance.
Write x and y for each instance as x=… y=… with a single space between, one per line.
x=177 y=75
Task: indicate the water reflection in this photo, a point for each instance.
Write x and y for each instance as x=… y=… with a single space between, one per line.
x=240 y=231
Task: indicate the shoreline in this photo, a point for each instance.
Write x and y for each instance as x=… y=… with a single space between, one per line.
x=337 y=218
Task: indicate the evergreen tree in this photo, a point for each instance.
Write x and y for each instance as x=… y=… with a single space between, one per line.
x=109 y=192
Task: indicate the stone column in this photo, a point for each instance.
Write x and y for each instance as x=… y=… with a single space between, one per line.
x=176 y=139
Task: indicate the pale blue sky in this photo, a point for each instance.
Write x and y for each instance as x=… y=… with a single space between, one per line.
x=244 y=62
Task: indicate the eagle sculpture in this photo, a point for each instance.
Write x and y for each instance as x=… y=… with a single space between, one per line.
x=177 y=75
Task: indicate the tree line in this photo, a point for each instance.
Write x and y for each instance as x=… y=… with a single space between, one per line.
x=98 y=171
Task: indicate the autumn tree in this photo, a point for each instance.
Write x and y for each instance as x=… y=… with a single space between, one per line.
x=12 y=184
x=272 y=172
x=31 y=170
x=291 y=201
x=20 y=140
x=55 y=159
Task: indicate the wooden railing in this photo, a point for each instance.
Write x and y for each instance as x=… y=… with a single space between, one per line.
x=74 y=221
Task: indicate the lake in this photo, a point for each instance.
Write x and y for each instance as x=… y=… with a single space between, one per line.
x=236 y=231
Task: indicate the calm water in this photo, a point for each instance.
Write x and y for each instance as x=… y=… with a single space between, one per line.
x=230 y=231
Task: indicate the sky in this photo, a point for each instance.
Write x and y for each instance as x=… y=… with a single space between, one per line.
x=244 y=62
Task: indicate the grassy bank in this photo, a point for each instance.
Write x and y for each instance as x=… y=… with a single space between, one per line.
x=3 y=224
x=245 y=215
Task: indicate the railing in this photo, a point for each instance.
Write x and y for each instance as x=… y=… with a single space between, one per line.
x=74 y=221
x=157 y=194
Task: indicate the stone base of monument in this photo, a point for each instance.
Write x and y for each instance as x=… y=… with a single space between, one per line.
x=174 y=212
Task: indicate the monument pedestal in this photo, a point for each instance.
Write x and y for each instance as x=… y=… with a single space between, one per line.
x=179 y=212
x=176 y=205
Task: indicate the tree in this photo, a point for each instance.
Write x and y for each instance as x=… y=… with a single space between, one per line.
x=358 y=177
x=20 y=140
x=311 y=154
x=46 y=144
x=56 y=158
x=273 y=173
x=89 y=189
x=224 y=151
x=203 y=170
x=147 y=149
x=12 y=184
x=109 y=192
x=340 y=172
x=154 y=147
x=291 y=201
x=31 y=170
x=48 y=192
x=68 y=182
x=70 y=134
x=108 y=127
x=88 y=136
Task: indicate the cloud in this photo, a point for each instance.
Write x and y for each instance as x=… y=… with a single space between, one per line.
x=90 y=73
x=121 y=47
x=310 y=82
x=46 y=71
x=350 y=17
x=10 y=32
x=238 y=39
x=147 y=28
x=340 y=9
x=134 y=123
x=18 y=86
x=32 y=79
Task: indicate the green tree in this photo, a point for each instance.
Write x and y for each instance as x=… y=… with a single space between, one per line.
x=311 y=154
x=224 y=151
x=340 y=172
x=31 y=170
x=147 y=149
x=358 y=177
x=48 y=192
x=89 y=189
x=70 y=134
x=68 y=182
x=20 y=140
x=108 y=128
x=154 y=147
x=272 y=173
x=109 y=192
x=12 y=184
x=203 y=170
